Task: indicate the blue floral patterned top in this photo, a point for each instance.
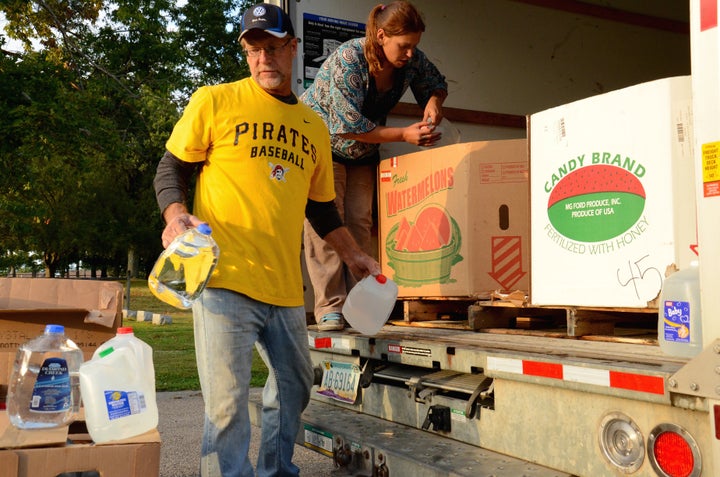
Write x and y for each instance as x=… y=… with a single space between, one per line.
x=344 y=95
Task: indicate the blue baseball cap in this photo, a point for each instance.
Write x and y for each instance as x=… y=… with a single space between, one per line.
x=269 y=18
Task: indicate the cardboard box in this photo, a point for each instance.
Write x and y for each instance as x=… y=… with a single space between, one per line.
x=453 y=220
x=90 y=311
x=136 y=457
x=612 y=196
x=11 y=437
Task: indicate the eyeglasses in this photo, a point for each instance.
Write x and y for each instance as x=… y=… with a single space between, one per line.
x=269 y=50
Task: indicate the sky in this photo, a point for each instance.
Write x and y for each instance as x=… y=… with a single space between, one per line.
x=11 y=45
x=14 y=45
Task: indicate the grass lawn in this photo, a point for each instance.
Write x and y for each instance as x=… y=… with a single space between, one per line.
x=173 y=346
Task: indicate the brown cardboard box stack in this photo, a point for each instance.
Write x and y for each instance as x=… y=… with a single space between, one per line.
x=91 y=312
x=454 y=219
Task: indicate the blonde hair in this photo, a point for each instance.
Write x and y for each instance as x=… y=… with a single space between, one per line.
x=396 y=18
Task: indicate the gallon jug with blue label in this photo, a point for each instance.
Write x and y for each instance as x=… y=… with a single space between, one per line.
x=679 y=320
x=44 y=390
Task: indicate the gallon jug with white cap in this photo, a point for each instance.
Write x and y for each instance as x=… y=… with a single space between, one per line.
x=679 y=320
x=369 y=303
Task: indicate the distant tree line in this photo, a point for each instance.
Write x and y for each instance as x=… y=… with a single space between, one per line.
x=85 y=109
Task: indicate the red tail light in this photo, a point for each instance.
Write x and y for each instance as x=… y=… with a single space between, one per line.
x=673 y=452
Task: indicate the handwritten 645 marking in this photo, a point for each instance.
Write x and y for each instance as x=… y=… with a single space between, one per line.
x=641 y=278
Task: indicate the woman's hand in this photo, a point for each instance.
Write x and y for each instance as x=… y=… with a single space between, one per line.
x=421 y=134
x=433 y=109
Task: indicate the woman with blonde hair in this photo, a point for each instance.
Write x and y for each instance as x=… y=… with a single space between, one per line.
x=354 y=90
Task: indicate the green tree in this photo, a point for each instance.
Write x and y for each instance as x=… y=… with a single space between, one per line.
x=54 y=147
x=85 y=119
x=208 y=32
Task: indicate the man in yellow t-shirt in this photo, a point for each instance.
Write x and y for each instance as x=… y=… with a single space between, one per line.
x=263 y=164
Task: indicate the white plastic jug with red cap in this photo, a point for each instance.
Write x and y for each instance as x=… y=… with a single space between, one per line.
x=369 y=303
x=118 y=398
x=125 y=338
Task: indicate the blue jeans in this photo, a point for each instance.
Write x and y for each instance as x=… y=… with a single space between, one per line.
x=227 y=326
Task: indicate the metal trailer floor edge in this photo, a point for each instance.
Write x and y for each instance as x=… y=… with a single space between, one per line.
x=416 y=452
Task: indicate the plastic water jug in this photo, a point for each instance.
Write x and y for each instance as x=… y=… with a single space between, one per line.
x=125 y=338
x=44 y=391
x=450 y=133
x=679 y=320
x=118 y=400
x=183 y=269
x=369 y=303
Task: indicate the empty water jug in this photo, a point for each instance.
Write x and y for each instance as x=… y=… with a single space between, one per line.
x=369 y=303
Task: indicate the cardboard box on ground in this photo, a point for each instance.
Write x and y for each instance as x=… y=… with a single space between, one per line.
x=612 y=195
x=135 y=457
x=91 y=312
x=454 y=221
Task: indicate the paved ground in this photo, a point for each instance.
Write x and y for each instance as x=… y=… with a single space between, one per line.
x=181 y=428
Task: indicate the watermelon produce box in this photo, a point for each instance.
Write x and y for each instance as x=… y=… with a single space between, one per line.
x=612 y=196
x=453 y=220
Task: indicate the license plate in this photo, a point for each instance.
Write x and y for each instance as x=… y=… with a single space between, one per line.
x=340 y=381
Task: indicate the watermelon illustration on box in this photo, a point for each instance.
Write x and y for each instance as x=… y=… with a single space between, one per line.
x=424 y=250
x=612 y=196
x=454 y=220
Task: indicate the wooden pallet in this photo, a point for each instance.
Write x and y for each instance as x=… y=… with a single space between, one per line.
x=511 y=314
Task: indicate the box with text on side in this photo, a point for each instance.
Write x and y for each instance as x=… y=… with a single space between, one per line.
x=135 y=457
x=90 y=311
x=453 y=220
x=612 y=196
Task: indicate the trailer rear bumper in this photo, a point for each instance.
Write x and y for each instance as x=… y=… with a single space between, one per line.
x=363 y=445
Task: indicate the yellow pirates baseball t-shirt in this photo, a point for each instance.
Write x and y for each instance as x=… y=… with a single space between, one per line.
x=262 y=159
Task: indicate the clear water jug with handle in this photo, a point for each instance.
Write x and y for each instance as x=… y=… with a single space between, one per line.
x=183 y=269
x=369 y=303
x=44 y=391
